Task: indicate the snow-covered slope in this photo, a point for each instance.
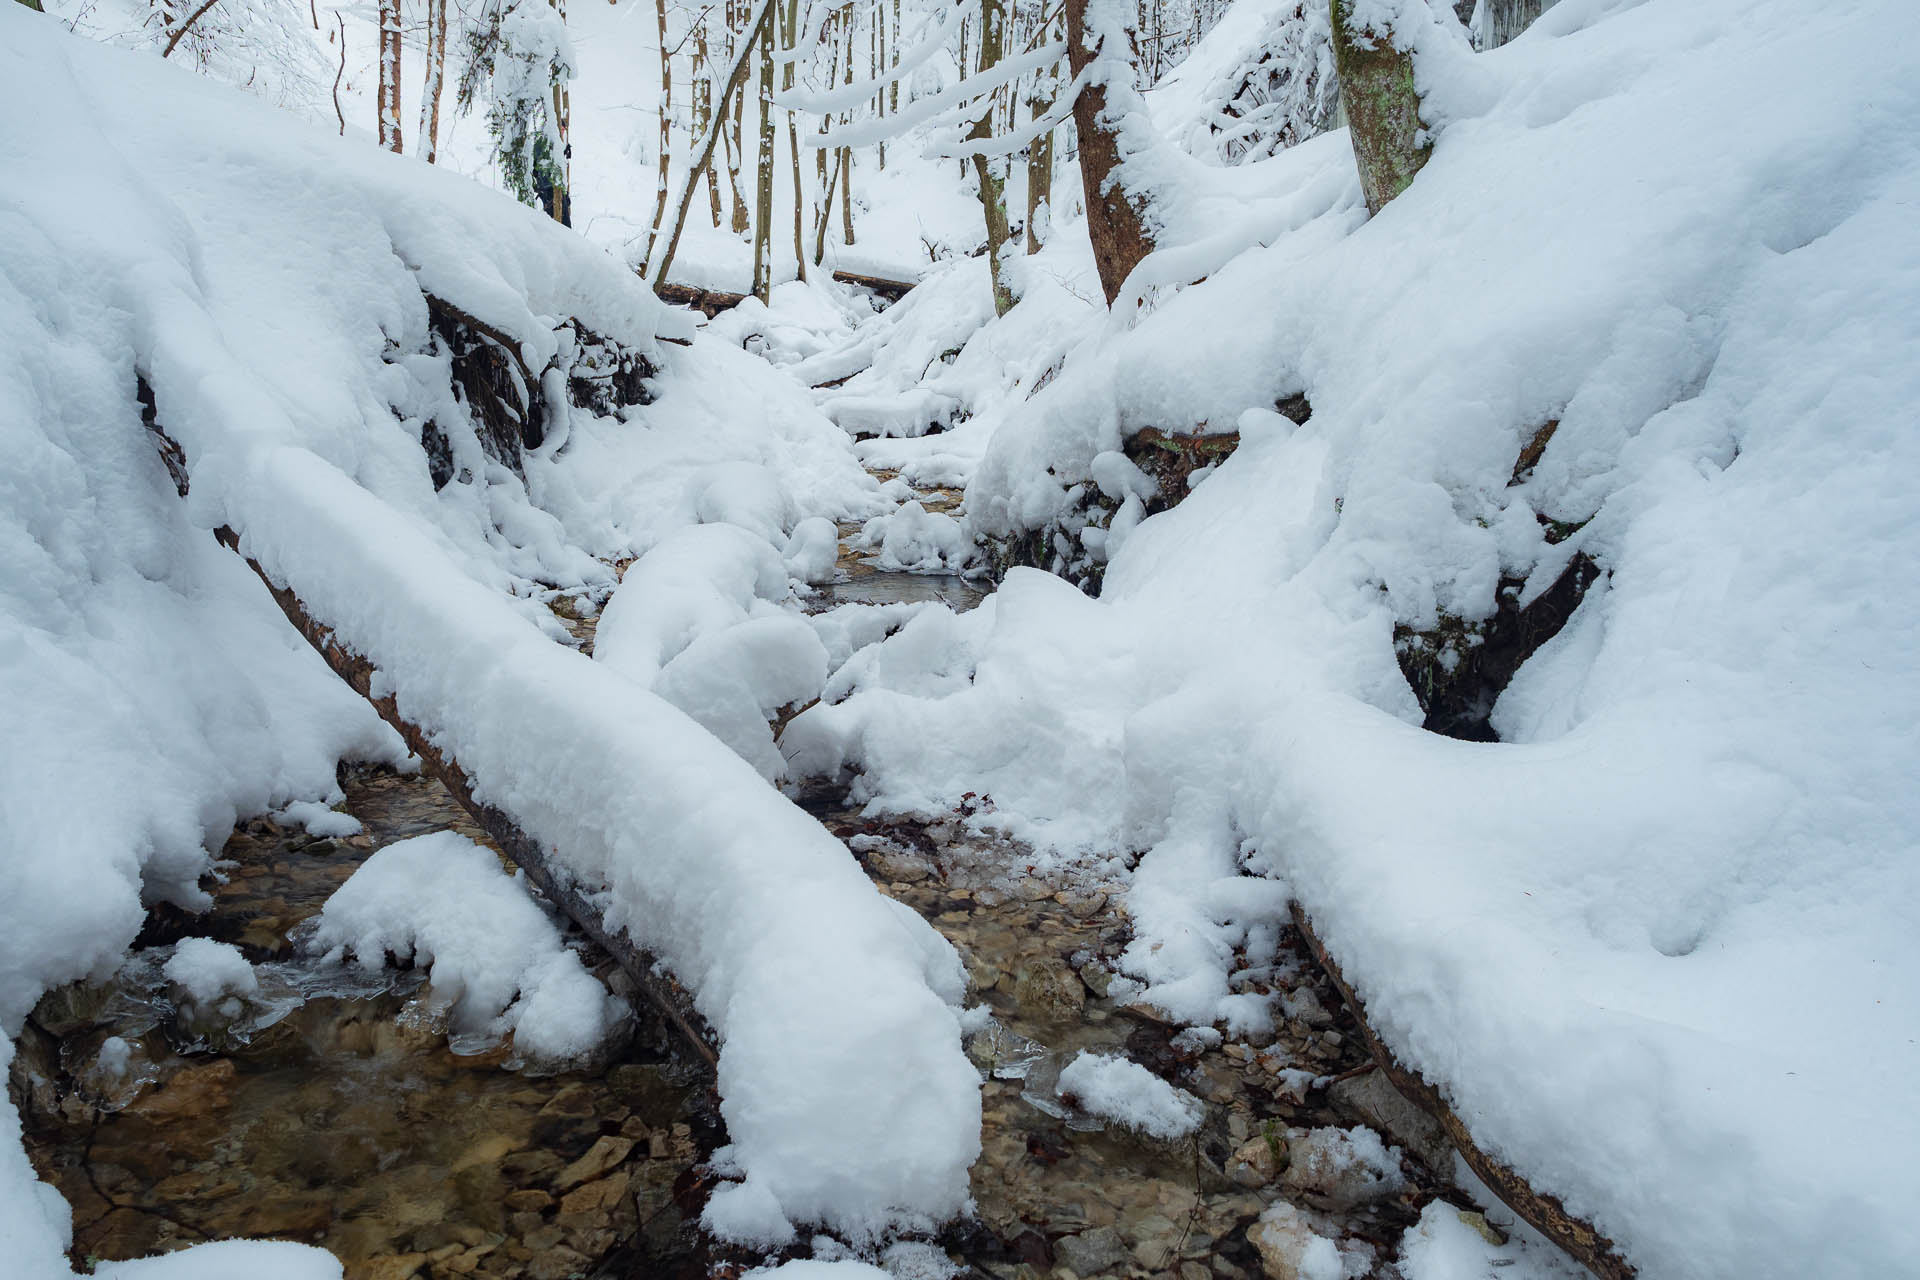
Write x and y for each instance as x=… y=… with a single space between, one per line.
x=266 y=280
x=1657 y=944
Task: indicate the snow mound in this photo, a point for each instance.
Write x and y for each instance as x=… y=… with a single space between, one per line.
x=1126 y=1093
x=492 y=953
x=207 y=970
x=268 y=283
x=1621 y=937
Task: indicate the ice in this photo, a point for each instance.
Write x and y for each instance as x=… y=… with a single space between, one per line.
x=1128 y=1094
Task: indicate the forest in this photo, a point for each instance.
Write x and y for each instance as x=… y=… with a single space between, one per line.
x=959 y=639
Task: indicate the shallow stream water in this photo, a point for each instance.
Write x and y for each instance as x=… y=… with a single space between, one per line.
x=336 y=1113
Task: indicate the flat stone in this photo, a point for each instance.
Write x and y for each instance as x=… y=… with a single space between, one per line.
x=596 y=1198
x=1091 y=1252
x=1255 y=1163
x=393 y=1266
x=605 y=1153
x=529 y=1201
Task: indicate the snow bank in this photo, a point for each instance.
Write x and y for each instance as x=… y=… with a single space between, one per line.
x=267 y=282
x=495 y=959
x=1628 y=938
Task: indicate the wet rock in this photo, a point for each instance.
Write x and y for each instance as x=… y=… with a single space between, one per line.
x=596 y=1199
x=196 y=1091
x=895 y=864
x=602 y=1156
x=1289 y=1247
x=1256 y=1162
x=1371 y=1099
x=1091 y=1252
x=1155 y=1240
x=1341 y=1169
x=1048 y=991
x=557 y=1262
x=528 y=1201
x=396 y=1266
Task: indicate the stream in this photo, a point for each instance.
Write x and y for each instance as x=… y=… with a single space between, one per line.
x=340 y=1115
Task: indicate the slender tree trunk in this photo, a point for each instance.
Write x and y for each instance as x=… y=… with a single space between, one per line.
x=388 y=96
x=820 y=224
x=879 y=64
x=703 y=107
x=986 y=172
x=845 y=161
x=846 y=196
x=736 y=153
x=1383 y=109
x=1114 y=225
x=663 y=180
x=1039 y=174
x=436 y=77
x=763 y=174
x=790 y=36
x=702 y=159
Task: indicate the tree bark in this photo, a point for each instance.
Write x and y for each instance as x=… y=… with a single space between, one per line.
x=1383 y=109
x=1039 y=173
x=763 y=174
x=666 y=995
x=436 y=76
x=1114 y=225
x=733 y=88
x=662 y=182
x=703 y=107
x=388 y=96
x=789 y=36
x=1545 y=1213
x=986 y=172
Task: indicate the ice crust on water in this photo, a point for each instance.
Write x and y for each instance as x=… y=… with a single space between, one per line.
x=1126 y=1093
x=164 y=225
x=493 y=955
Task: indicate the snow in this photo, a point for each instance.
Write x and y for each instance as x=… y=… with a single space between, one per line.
x=207 y=970
x=496 y=960
x=1126 y=1093
x=1628 y=938
x=267 y=281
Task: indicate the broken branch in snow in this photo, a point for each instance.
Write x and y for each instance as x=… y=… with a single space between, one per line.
x=1544 y=1212
x=661 y=991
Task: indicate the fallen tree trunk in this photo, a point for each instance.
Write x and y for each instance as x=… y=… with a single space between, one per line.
x=666 y=995
x=1544 y=1212
x=711 y=302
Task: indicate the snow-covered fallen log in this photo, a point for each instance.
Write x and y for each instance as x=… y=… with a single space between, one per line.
x=269 y=284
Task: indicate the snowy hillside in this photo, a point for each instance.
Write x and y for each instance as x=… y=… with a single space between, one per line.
x=1465 y=649
x=1629 y=936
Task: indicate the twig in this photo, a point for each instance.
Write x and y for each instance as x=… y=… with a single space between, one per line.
x=180 y=31
x=341 y=72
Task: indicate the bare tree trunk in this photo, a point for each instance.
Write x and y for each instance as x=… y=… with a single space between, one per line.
x=879 y=64
x=846 y=196
x=789 y=37
x=664 y=179
x=1119 y=235
x=703 y=107
x=1039 y=174
x=763 y=174
x=986 y=173
x=736 y=152
x=845 y=161
x=388 y=97
x=702 y=160
x=436 y=77
x=1383 y=109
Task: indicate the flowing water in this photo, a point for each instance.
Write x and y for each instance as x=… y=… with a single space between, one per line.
x=335 y=1113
